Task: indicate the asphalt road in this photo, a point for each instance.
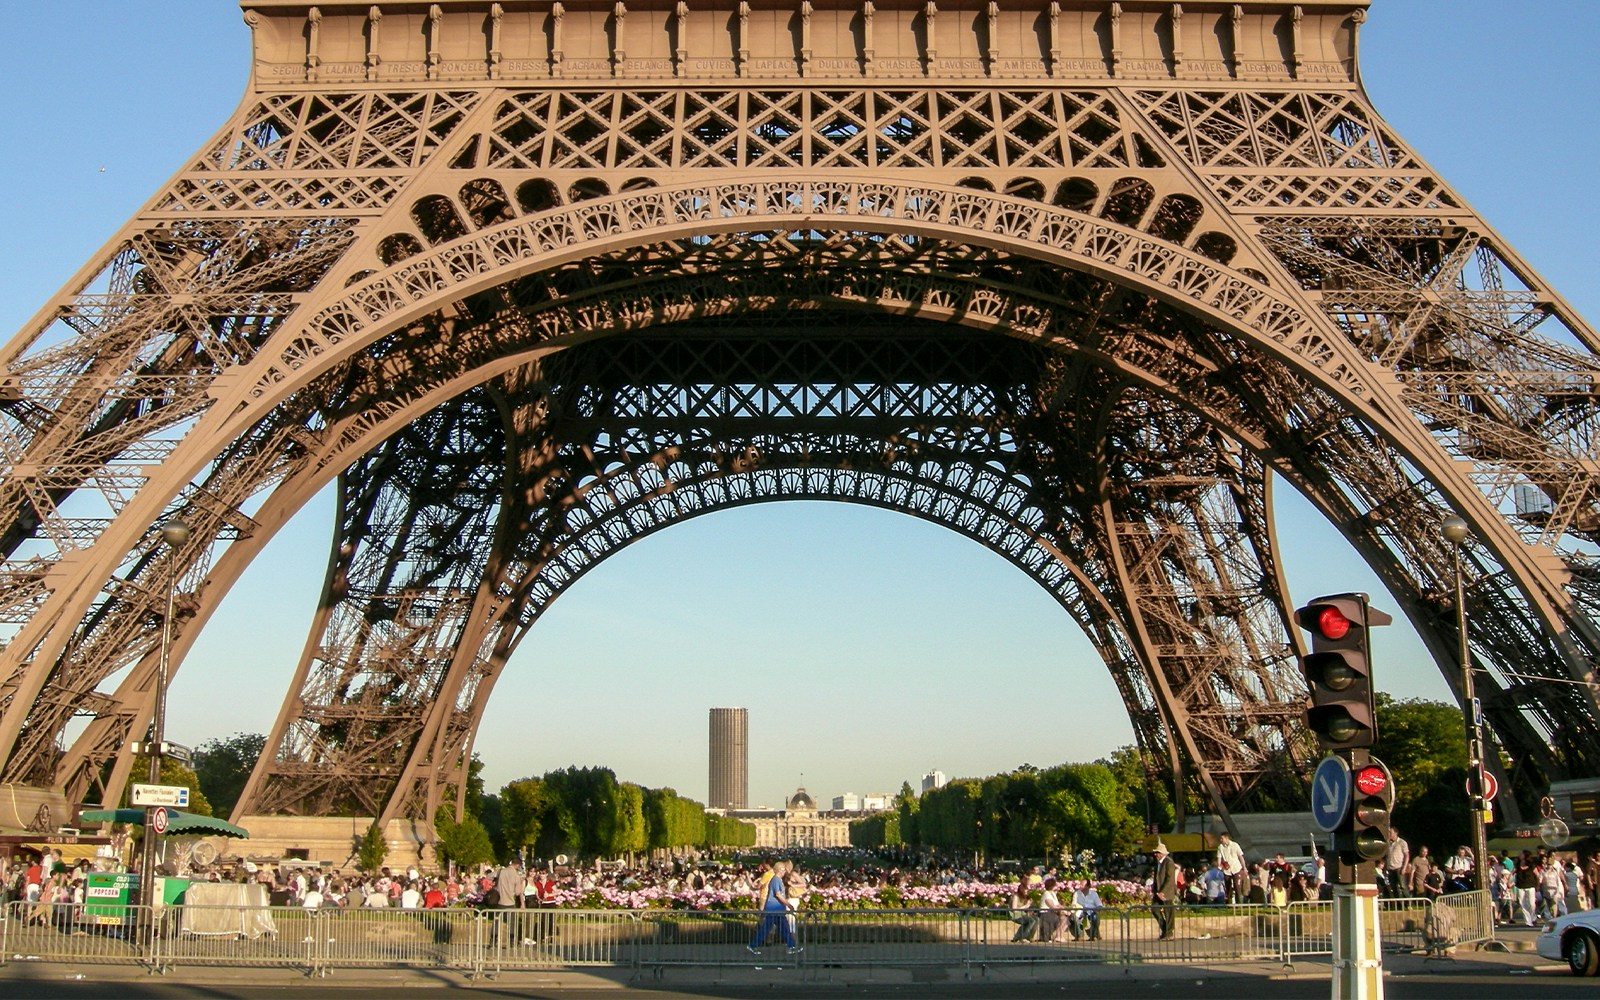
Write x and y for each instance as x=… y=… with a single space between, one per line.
x=1480 y=976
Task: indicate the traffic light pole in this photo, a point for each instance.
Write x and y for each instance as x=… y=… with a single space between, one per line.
x=1473 y=714
x=1351 y=800
x=1357 y=954
x=1357 y=948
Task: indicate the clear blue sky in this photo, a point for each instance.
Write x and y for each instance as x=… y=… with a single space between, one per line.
x=869 y=647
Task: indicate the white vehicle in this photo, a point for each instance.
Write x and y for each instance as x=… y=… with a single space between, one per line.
x=1574 y=939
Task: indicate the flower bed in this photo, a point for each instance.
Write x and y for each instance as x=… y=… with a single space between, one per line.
x=955 y=896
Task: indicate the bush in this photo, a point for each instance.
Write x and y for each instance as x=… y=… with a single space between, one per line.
x=372 y=849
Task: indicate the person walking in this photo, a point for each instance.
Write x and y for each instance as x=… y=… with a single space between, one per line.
x=1572 y=876
x=1526 y=881
x=1421 y=868
x=795 y=889
x=509 y=884
x=1164 y=890
x=1396 y=862
x=1458 y=870
x=1230 y=859
x=1591 y=878
x=1552 y=889
x=774 y=906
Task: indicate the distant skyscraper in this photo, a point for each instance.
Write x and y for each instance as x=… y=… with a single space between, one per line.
x=730 y=758
x=932 y=780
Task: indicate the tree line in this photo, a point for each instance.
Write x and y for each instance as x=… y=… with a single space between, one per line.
x=577 y=811
x=1109 y=805
x=1106 y=806
x=587 y=812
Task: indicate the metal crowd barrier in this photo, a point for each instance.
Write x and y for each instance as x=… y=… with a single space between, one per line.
x=428 y=939
x=488 y=942
x=699 y=937
x=883 y=937
x=1461 y=918
x=991 y=933
x=235 y=935
x=1307 y=930
x=1205 y=933
x=547 y=939
x=56 y=932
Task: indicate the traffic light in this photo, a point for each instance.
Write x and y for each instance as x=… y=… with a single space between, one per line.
x=1371 y=806
x=1339 y=669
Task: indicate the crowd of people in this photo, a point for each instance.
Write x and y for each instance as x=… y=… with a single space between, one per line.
x=1046 y=908
x=1532 y=888
x=51 y=890
x=1046 y=903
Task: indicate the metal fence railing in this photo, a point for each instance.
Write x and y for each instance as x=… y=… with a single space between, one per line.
x=52 y=932
x=1307 y=930
x=1435 y=925
x=235 y=935
x=886 y=937
x=487 y=942
x=547 y=939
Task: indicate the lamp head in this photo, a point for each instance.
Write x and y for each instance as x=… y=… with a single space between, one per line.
x=1454 y=529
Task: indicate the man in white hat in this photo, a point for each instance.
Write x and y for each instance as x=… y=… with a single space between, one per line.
x=1164 y=889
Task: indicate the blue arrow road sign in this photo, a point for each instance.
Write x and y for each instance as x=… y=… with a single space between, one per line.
x=1330 y=793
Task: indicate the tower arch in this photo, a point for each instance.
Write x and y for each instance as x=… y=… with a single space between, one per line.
x=1370 y=338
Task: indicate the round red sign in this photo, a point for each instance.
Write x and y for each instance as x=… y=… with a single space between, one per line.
x=1491 y=786
x=1371 y=780
x=158 y=821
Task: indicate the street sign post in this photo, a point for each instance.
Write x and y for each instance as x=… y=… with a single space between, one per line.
x=1491 y=787
x=176 y=796
x=1330 y=793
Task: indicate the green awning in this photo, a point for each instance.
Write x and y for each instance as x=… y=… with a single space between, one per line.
x=177 y=822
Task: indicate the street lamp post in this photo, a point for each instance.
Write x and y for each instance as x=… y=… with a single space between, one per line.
x=1454 y=531
x=173 y=534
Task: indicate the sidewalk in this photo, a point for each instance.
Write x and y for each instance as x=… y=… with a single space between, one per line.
x=1517 y=937
x=758 y=976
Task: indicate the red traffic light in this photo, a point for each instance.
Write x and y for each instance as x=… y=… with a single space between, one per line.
x=1372 y=780
x=1332 y=623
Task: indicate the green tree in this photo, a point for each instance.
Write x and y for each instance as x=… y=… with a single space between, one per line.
x=725 y=831
x=875 y=831
x=584 y=812
x=466 y=843
x=174 y=773
x=906 y=805
x=223 y=767
x=628 y=835
x=475 y=796
x=672 y=821
x=1086 y=806
x=1424 y=745
x=372 y=849
x=492 y=819
x=524 y=806
x=1151 y=799
x=949 y=817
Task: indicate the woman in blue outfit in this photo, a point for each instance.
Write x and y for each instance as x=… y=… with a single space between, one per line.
x=774 y=903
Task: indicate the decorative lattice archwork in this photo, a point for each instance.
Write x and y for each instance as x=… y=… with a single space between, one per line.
x=1080 y=282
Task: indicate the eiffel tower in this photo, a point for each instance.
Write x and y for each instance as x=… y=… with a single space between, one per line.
x=531 y=280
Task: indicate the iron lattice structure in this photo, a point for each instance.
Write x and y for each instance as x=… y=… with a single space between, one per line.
x=1080 y=280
